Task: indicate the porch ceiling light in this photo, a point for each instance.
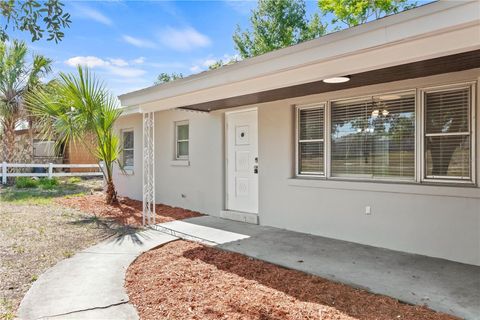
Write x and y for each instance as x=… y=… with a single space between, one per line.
x=337 y=79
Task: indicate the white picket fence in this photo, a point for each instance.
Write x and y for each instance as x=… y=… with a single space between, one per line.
x=50 y=173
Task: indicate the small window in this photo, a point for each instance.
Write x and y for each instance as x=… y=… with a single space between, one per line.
x=447 y=137
x=310 y=146
x=128 y=147
x=181 y=140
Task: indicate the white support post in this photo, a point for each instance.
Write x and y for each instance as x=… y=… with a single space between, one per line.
x=50 y=170
x=4 y=173
x=148 y=216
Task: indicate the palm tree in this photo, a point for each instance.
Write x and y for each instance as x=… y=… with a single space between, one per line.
x=18 y=76
x=76 y=107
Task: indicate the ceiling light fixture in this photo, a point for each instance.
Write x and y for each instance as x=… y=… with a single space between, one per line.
x=337 y=79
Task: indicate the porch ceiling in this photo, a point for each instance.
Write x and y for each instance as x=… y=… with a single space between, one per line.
x=445 y=64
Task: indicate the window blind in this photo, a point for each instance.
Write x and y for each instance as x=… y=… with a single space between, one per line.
x=311 y=140
x=447 y=134
x=374 y=137
x=128 y=148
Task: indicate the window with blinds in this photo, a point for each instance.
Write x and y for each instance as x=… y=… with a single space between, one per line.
x=374 y=137
x=447 y=134
x=311 y=124
x=128 y=148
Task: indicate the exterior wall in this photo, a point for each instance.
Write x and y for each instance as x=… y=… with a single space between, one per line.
x=198 y=186
x=438 y=221
x=77 y=153
x=130 y=183
x=435 y=221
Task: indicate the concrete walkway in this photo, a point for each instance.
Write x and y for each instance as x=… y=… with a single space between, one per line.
x=90 y=284
x=442 y=285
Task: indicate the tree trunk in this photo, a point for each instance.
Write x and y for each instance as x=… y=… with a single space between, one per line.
x=9 y=145
x=9 y=140
x=443 y=156
x=111 y=195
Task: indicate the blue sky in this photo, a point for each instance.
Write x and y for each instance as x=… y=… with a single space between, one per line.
x=128 y=43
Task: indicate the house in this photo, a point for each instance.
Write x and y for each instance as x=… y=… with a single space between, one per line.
x=367 y=135
x=35 y=148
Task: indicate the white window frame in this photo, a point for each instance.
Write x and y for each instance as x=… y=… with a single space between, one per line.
x=298 y=108
x=177 y=124
x=471 y=132
x=132 y=149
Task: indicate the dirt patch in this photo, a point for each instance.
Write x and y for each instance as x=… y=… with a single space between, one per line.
x=185 y=280
x=127 y=212
x=33 y=238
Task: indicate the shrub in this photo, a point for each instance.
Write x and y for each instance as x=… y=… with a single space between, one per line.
x=25 y=182
x=48 y=184
x=74 y=180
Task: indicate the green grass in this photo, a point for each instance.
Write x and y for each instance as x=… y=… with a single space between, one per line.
x=73 y=180
x=35 y=196
x=48 y=184
x=25 y=183
x=43 y=191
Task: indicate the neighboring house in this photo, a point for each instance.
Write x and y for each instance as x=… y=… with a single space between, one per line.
x=388 y=158
x=36 y=149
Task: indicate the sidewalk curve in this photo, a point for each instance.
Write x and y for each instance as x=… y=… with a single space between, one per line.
x=90 y=285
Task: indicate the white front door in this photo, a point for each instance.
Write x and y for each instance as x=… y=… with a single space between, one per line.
x=242 y=161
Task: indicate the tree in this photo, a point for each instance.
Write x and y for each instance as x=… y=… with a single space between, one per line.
x=220 y=63
x=18 y=77
x=74 y=108
x=354 y=12
x=165 y=77
x=276 y=24
x=35 y=17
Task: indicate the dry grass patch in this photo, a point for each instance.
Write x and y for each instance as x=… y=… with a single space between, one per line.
x=35 y=234
x=185 y=280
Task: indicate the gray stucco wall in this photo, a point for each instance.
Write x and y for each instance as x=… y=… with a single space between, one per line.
x=438 y=221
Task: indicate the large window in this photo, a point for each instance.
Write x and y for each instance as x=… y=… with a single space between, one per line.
x=374 y=137
x=447 y=137
x=181 y=140
x=128 y=148
x=310 y=146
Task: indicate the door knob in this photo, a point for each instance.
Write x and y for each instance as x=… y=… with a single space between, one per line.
x=255 y=169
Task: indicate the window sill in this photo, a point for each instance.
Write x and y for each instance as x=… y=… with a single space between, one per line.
x=127 y=172
x=180 y=163
x=462 y=191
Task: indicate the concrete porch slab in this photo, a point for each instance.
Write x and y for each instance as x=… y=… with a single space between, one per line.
x=442 y=285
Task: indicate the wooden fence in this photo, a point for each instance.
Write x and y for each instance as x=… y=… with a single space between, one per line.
x=49 y=170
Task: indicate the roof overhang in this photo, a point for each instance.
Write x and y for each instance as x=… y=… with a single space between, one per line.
x=418 y=42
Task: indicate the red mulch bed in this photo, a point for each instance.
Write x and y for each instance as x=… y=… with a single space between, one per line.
x=127 y=212
x=185 y=280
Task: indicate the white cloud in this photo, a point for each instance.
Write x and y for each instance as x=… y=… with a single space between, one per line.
x=92 y=14
x=117 y=67
x=195 y=68
x=139 y=60
x=118 y=62
x=138 y=42
x=183 y=39
x=208 y=62
x=88 y=61
x=126 y=72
